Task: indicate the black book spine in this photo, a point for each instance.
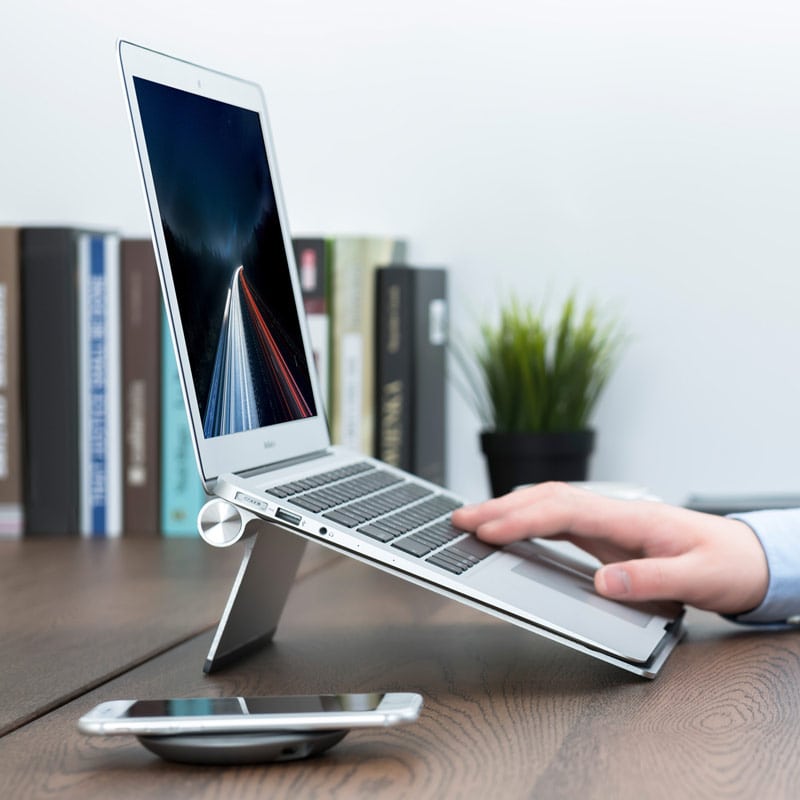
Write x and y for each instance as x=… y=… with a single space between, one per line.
x=393 y=366
x=428 y=356
x=50 y=380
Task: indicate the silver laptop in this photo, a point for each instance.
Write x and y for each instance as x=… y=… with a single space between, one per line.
x=252 y=395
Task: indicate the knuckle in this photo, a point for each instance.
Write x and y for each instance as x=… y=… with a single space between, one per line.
x=554 y=490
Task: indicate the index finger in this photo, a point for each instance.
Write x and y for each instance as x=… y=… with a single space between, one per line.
x=554 y=509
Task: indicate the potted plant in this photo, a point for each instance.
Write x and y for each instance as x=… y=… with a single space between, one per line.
x=535 y=385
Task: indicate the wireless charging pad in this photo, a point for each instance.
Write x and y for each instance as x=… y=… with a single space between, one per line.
x=241 y=748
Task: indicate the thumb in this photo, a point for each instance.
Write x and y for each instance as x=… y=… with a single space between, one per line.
x=645 y=579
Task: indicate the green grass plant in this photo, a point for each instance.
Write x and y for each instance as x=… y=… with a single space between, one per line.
x=527 y=375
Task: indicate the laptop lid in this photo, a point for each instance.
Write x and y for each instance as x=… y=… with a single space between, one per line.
x=228 y=276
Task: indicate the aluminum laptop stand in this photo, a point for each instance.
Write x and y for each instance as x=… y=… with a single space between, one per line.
x=258 y=595
x=271 y=557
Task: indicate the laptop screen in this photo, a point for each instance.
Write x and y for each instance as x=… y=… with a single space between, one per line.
x=232 y=295
x=227 y=260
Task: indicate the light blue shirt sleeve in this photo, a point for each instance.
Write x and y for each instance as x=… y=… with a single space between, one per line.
x=779 y=534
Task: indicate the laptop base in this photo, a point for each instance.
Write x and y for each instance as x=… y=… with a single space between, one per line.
x=258 y=594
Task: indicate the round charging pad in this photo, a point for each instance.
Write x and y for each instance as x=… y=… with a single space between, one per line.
x=241 y=748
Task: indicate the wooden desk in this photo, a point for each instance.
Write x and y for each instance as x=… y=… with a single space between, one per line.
x=74 y=613
x=507 y=714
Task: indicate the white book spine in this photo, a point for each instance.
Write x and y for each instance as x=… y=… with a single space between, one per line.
x=100 y=424
x=113 y=394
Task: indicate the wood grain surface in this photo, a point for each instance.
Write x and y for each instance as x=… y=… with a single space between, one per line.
x=507 y=714
x=74 y=613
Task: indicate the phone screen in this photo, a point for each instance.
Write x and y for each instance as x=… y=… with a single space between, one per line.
x=244 y=706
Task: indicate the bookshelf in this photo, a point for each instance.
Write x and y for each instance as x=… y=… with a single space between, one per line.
x=82 y=321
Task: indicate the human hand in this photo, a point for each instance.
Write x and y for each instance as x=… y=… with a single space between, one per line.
x=651 y=551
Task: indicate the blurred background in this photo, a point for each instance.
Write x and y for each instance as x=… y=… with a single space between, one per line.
x=646 y=154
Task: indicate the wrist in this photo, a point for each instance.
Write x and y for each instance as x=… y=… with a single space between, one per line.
x=778 y=535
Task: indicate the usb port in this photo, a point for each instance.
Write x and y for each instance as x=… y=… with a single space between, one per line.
x=287 y=516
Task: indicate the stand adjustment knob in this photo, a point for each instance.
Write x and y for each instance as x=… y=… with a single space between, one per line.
x=219 y=523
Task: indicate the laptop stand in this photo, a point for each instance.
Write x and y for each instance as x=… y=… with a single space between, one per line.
x=271 y=557
x=258 y=594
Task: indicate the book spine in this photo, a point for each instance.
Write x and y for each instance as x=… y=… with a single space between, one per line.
x=100 y=426
x=50 y=347
x=354 y=263
x=393 y=366
x=430 y=336
x=85 y=419
x=141 y=387
x=182 y=493
x=310 y=257
x=346 y=368
x=113 y=394
x=11 y=495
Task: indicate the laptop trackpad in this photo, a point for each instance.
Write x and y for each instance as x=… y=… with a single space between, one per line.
x=574 y=577
x=544 y=582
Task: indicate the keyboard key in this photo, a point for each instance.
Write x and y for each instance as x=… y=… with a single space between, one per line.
x=458 y=561
x=376 y=532
x=462 y=555
x=442 y=532
x=447 y=564
x=470 y=546
x=412 y=546
x=310 y=504
x=342 y=517
x=431 y=535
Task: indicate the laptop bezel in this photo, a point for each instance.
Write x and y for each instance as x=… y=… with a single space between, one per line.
x=246 y=450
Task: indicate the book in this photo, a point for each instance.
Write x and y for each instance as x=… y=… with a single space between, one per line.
x=141 y=387
x=411 y=332
x=11 y=422
x=310 y=257
x=49 y=263
x=353 y=262
x=99 y=402
x=182 y=494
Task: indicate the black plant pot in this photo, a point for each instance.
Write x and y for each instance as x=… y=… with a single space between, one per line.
x=518 y=458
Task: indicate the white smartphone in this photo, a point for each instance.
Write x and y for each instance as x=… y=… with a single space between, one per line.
x=250 y=714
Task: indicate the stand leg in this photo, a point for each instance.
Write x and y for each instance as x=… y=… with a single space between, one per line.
x=258 y=595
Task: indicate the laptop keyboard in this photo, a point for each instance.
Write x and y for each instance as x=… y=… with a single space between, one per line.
x=391 y=509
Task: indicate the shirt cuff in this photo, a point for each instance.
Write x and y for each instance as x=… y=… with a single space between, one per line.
x=778 y=531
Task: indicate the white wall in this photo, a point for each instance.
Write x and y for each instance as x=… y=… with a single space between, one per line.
x=645 y=152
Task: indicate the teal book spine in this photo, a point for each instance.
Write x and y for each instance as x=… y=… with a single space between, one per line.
x=182 y=494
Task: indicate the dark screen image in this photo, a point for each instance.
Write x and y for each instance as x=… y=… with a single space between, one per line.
x=227 y=258
x=211 y=706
